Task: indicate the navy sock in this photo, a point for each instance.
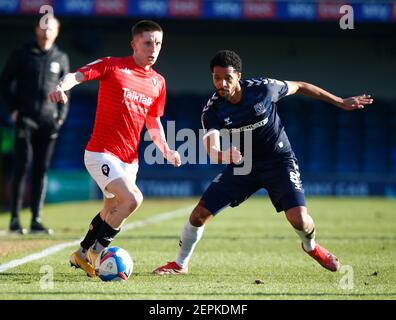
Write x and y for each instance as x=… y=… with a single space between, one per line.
x=106 y=234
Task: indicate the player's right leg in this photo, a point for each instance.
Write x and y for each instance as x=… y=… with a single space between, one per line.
x=226 y=190
x=82 y=263
x=191 y=234
x=84 y=258
x=285 y=189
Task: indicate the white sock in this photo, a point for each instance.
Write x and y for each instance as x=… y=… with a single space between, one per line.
x=307 y=236
x=188 y=240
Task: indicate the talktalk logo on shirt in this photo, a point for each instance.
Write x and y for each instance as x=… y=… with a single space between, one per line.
x=133 y=96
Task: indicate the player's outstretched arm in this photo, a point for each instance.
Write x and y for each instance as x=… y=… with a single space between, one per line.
x=157 y=134
x=70 y=80
x=310 y=90
x=211 y=142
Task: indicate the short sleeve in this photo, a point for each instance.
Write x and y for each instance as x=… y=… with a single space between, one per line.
x=276 y=89
x=209 y=120
x=95 y=70
x=157 y=110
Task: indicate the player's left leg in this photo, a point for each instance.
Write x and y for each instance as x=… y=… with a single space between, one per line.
x=303 y=225
x=305 y=228
x=287 y=194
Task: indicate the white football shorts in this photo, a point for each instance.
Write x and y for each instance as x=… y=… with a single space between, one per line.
x=104 y=168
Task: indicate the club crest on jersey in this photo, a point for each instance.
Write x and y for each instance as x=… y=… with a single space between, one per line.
x=154 y=81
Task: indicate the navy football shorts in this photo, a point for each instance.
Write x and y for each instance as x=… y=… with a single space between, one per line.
x=281 y=180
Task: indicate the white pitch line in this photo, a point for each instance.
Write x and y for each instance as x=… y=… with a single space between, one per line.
x=54 y=249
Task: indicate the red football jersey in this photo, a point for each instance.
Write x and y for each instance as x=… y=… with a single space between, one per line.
x=127 y=93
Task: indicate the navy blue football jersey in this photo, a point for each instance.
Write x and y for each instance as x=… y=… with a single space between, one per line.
x=256 y=113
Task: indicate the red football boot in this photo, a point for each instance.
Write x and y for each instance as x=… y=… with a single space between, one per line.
x=325 y=258
x=171 y=268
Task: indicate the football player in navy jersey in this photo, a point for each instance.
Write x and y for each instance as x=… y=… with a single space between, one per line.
x=248 y=107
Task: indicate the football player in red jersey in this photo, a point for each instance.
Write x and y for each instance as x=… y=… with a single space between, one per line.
x=131 y=95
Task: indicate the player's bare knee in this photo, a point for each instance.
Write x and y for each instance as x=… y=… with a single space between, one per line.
x=132 y=201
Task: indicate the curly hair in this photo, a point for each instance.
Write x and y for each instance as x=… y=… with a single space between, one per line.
x=226 y=58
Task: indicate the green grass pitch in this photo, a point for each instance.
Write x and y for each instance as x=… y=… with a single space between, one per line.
x=239 y=247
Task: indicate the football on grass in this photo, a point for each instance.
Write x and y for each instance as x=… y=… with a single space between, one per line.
x=114 y=264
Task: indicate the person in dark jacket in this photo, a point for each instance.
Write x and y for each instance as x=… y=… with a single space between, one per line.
x=34 y=69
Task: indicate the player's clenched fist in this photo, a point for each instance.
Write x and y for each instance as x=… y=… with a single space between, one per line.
x=57 y=96
x=232 y=155
x=173 y=157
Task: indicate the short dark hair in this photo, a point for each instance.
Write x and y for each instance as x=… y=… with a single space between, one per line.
x=145 y=25
x=226 y=58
